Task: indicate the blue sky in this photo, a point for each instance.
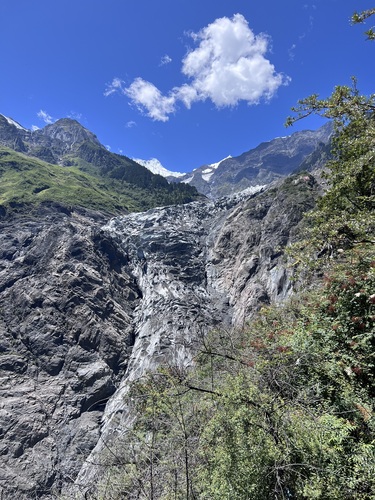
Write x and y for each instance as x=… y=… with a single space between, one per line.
x=185 y=81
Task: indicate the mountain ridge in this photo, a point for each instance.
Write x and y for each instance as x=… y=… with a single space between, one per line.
x=266 y=162
x=66 y=144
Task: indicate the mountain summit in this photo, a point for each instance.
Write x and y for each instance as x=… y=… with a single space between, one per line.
x=64 y=162
x=258 y=166
x=50 y=143
x=68 y=131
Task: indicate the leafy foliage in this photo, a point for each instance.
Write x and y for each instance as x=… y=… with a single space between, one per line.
x=282 y=409
x=361 y=17
x=344 y=216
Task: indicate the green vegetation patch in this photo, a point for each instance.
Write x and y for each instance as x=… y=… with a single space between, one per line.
x=281 y=409
x=27 y=181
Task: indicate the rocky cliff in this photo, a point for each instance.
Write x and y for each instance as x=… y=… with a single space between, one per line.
x=66 y=330
x=89 y=304
x=51 y=143
x=261 y=165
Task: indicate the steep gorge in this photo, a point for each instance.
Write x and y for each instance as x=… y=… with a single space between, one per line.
x=88 y=304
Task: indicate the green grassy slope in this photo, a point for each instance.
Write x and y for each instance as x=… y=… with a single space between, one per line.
x=27 y=181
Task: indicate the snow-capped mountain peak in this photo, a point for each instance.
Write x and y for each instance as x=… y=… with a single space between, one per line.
x=13 y=122
x=156 y=167
x=215 y=165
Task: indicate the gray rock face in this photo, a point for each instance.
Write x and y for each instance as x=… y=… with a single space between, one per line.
x=66 y=305
x=88 y=305
x=259 y=166
x=51 y=143
x=199 y=266
x=69 y=132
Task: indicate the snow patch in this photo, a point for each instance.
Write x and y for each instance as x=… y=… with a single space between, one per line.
x=14 y=123
x=237 y=197
x=189 y=179
x=156 y=167
x=215 y=165
x=207 y=177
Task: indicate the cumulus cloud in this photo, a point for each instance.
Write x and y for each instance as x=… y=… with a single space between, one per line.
x=227 y=66
x=43 y=115
x=148 y=97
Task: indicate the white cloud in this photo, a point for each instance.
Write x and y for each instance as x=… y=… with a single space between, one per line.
x=145 y=96
x=165 y=60
x=43 y=115
x=149 y=98
x=130 y=124
x=309 y=27
x=115 y=86
x=186 y=94
x=291 y=52
x=227 y=66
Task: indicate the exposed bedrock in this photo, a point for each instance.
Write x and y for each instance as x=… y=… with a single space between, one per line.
x=87 y=305
x=199 y=266
x=66 y=330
